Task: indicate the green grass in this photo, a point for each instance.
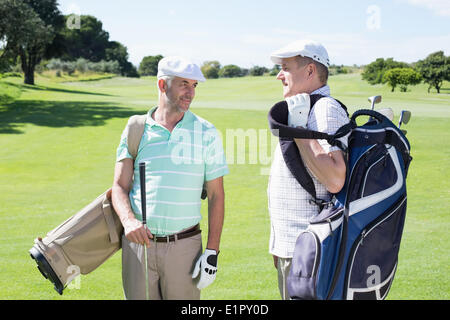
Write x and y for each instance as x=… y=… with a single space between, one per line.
x=58 y=151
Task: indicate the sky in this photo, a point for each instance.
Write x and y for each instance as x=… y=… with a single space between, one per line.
x=245 y=32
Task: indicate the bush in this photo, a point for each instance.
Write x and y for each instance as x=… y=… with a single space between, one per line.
x=275 y=70
x=210 y=69
x=402 y=77
x=258 y=71
x=83 y=65
x=374 y=72
x=230 y=71
x=54 y=64
x=68 y=67
x=149 y=65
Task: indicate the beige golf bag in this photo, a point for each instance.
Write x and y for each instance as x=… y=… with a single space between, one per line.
x=86 y=240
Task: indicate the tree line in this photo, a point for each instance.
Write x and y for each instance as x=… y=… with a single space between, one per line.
x=433 y=70
x=35 y=32
x=210 y=69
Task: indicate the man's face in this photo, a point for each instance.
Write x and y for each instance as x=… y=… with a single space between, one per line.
x=293 y=77
x=180 y=93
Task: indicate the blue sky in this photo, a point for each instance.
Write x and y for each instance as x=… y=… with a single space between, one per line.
x=246 y=32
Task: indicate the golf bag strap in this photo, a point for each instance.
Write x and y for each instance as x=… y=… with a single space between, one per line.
x=278 y=119
x=107 y=212
x=135 y=126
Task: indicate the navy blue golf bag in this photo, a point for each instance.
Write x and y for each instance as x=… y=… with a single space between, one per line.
x=350 y=249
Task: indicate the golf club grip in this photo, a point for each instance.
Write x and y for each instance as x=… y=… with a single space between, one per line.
x=143 y=192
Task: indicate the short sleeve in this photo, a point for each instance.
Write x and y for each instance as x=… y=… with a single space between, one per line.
x=327 y=116
x=215 y=160
x=122 y=149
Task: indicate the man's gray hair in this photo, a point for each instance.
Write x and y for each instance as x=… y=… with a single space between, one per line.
x=167 y=79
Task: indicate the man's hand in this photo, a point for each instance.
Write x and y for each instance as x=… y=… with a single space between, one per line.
x=206 y=266
x=299 y=106
x=135 y=232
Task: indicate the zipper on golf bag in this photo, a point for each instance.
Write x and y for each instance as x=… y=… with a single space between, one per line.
x=372 y=261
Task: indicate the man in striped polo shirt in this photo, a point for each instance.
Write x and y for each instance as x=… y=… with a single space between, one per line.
x=181 y=152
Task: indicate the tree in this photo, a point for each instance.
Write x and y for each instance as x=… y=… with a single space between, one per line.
x=275 y=70
x=373 y=72
x=149 y=65
x=230 y=71
x=89 y=41
x=434 y=69
x=118 y=52
x=258 y=71
x=402 y=77
x=27 y=28
x=210 y=69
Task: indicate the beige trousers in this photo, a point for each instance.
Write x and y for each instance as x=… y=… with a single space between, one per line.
x=170 y=267
x=283 y=267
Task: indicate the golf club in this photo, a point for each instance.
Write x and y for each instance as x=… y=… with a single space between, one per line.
x=405 y=116
x=144 y=220
x=373 y=100
x=387 y=112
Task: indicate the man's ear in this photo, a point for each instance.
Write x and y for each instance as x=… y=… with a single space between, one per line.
x=162 y=85
x=311 y=69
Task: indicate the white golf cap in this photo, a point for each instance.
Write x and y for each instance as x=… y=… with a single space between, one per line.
x=305 y=48
x=179 y=67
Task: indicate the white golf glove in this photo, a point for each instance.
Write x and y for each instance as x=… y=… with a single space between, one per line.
x=298 y=106
x=206 y=266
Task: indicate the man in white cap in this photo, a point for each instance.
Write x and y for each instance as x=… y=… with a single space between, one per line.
x=182 y=152
x=304 y=71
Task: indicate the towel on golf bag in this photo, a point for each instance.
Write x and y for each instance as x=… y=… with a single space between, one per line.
x=350 y=249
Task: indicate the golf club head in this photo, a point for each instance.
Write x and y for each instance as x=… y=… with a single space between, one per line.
x=374 y=100
x=405 y=116
x=387 y=112
x=404 y=131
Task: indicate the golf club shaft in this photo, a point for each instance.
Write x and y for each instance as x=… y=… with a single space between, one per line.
x=144 y=220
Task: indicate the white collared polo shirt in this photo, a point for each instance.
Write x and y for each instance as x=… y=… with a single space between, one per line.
x=177 y=164
x=289 y=207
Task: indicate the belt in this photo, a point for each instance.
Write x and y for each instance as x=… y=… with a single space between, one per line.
x=182 y=235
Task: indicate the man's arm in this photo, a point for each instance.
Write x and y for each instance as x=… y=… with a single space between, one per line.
x=134 y=229
x=216 y=212
x=329 y=168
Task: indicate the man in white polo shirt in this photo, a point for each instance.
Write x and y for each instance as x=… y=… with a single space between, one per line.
x=182 y=152
x=304 y=70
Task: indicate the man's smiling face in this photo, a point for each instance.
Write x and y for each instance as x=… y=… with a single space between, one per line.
x=181 y=92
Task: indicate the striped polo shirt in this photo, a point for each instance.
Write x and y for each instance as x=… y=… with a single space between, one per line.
x=177 y=164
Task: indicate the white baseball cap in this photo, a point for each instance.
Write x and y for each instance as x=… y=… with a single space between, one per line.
x=305 y=48
x=179 y=67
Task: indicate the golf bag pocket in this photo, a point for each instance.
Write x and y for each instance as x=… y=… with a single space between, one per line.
x=373 y=258
x=315 y=256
